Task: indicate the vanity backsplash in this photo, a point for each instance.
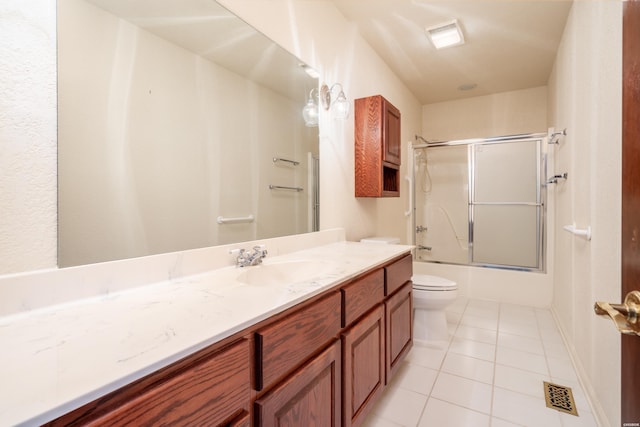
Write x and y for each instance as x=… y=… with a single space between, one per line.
x=33 y=290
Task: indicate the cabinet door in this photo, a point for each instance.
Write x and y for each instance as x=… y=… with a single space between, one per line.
x=399 y=318
x=363 y=363
x=311 y=396
x=391 y=137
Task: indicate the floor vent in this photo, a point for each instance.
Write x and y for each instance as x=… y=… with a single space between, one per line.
x=560 y=398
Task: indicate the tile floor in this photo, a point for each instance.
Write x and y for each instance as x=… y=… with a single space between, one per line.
x=490 y=373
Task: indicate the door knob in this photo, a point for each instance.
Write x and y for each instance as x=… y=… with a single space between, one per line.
x=625 y=315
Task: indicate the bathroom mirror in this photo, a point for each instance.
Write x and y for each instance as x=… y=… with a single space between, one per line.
x=179 y=127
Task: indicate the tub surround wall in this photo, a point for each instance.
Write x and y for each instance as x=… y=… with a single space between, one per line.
x=585 y=96
x=508 y=113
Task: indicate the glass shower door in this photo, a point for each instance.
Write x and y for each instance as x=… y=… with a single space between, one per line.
x=505 y=207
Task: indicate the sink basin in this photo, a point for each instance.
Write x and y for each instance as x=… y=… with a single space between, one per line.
x=281 y=273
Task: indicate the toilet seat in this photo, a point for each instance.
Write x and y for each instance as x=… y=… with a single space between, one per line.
x=426 y=282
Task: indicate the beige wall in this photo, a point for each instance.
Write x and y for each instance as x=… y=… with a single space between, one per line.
x=318 y=34
x=585 y=98
x=27 y=135
x=508 y=113
x=28 y=231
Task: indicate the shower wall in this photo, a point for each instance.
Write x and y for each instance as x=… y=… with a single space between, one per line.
x=442 y=198
x=507 y=113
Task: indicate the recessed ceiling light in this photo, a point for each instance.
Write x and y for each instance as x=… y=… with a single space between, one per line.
x=446 y=35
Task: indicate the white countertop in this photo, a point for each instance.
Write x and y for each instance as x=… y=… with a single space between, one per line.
x=58 y=358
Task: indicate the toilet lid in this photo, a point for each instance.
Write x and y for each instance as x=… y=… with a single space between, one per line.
x=433 y=283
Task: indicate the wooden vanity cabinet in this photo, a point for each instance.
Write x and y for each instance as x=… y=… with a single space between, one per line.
x=286 y=343
x=323 y=362
x=377 y=148
x=212 y=389
x=378 y=335
x=399 y=328
x=311 y=396
x=398 y=312
x=363 y=366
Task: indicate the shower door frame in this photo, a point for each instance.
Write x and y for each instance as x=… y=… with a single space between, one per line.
x=541 y=196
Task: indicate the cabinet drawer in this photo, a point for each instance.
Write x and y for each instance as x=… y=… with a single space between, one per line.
x=360 y=296
x=209 y=392
x=398 y=273
x=285 y=344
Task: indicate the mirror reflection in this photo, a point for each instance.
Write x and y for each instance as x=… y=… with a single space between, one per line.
x=179 y=127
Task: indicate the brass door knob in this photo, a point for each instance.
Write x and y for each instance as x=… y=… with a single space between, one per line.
x=625 y=315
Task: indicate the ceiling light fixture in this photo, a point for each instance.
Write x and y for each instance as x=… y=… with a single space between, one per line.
x=446 y=35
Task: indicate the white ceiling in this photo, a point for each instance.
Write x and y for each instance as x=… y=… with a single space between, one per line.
x=510 y=44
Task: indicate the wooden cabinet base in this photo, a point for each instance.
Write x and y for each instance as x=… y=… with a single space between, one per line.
x=363 y=362
x=309 y=397
x=214 y=391
x=399 y=317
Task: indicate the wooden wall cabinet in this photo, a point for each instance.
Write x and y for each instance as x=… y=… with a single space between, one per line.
x=377 y=148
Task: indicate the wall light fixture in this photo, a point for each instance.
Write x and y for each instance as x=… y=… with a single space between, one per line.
x=340 y=103
x=310 y=110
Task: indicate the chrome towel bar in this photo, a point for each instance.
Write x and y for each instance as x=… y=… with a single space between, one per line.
x=233 y=220
x=280 y=187
x=280 y=159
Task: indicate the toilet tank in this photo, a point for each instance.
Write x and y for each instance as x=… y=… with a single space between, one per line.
x=381 y=240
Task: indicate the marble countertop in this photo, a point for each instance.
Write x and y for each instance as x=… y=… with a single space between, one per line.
x=58 y=358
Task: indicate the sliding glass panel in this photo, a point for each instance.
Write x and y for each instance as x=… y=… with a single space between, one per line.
x=506 y=172
x=506 y=235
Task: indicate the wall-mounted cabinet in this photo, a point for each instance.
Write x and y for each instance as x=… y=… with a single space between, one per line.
x=377 y=148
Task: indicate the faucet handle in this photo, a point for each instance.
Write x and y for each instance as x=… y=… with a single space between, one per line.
x=237 y=251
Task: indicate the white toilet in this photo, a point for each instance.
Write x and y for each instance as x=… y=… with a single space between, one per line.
x=431 y=295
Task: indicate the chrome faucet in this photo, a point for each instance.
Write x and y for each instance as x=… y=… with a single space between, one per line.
x=249 y=257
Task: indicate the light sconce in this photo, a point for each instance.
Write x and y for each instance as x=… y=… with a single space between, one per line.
x=340 y=103
x=310 y=111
